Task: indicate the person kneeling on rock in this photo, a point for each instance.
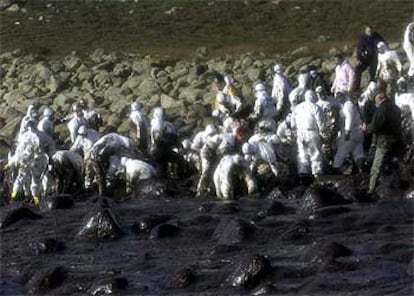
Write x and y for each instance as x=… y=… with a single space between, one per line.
x=131 y=170
x=257 y=152
x=215 y=147
x=230 y=167
x=96 y=164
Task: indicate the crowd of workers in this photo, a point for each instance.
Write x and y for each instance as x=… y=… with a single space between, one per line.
x=318 y=127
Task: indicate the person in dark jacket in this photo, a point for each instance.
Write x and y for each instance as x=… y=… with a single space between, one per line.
x=386 y=127
x=316 y=79
x=367 y=55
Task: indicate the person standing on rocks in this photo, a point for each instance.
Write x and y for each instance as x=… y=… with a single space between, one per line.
x=408 y=45
x=309 y=123
x=76 y=122
x=297 y=95
x=226 y=102
x=198 y=142
x=280 y=92
x=331 y=110
x=264 y=107
x=142 y=126
x=386 y=126
x=389 y=68
x=31 y=115
x=94 y=118
x=31 y=161
x=316 y=80
x=367 y=55
x=344 y=76
x=46 y=122
x=351 y=138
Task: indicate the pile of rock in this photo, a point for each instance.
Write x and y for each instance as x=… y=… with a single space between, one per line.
x=111 y=81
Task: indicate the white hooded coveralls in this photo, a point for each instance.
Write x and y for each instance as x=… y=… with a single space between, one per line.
x=296 y=96
x=351 y=119
x=223 y=176
x=31 y=161
x=308 y=120
x=408 y=45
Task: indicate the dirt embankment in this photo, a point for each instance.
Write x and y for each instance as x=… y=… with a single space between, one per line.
x=178 y=27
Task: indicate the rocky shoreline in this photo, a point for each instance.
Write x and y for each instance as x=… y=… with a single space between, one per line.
x=111 y=81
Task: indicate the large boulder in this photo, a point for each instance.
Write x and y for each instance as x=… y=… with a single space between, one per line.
x=317 y=197
x=167 y=103
x=181 y=72
x=71 y=62
x=297 y=64
x=146 y=223
x=13 y=215
x=256 y=74
x=59 y=201
x=182 y=279
x=164 y=230
x=148 y=87
x=10 y=130
x=101 y=225
x=133 y=82
x=250 y=271
x=191 y=95
x=47 y=246
x=109 y=286
x=46 y=280
x=231 y=231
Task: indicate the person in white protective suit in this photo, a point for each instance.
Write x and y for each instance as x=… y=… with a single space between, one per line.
x=408 y=46
x=266 y=128
x=141 y=123
x=215 y=147
x=264 y=107
x=405 y=101
x=229 y=167
x=257 y=152
x=94 y=118
x=76 y=122
x=368 y=94
x=228 y=88
x=389 y=67
x=31 y=162
x=331 y=110
x=131 y=170
x=161 y=129
x=280 y=92
x=403 y=97
x=65 y=170
x=284 y=130
x=201 y=137
x=97 y=162
x=226 y=105
x=31 y=115
x=308 y=120
x=296 y=96
x=197 y=144
x=46 y=122
x=85 y=140
x=227 y=102
x=351 y=138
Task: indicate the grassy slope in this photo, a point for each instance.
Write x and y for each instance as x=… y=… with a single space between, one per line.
x=226 y=26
